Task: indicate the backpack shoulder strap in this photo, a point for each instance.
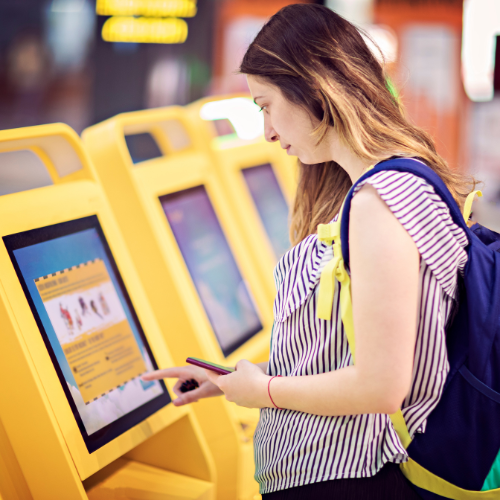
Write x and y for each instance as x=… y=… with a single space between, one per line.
x=400 y=165
x=337 y=267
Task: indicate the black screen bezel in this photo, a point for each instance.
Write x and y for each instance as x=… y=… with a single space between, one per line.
x=111 y=431
x=251 y=333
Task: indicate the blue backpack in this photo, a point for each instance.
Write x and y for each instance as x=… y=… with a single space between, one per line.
x=458 y=456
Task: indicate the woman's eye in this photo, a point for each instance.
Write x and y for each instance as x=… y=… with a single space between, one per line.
x=263 y=108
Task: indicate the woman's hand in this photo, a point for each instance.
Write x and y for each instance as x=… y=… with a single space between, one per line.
x=247 y=386
x=206 y=388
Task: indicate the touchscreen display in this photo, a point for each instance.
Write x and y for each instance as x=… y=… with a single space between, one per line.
x=89 y=326
x=218 y=281
x=271 y=205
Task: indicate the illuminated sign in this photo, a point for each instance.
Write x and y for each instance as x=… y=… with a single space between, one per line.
x=144 y=30
x=481 y=24
x=243 y=113
x=147 y=8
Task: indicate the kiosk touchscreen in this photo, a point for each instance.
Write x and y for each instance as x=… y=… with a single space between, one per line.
x=89 y=327
x=195 y=266
x=270 y=203
x=77 y=334
x=215 y=274
x=259 y=177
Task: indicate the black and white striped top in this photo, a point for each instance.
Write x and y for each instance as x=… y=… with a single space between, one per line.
x=294 y=448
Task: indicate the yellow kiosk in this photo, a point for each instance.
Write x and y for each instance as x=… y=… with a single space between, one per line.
x=259 y=177
x=12 y=483
x=193 y=262
x=76 y=420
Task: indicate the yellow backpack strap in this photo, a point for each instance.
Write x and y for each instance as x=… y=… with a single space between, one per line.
x=468 y=205
x=327 y=233
x=398 y=421
x=335 y=269
x=428 y=481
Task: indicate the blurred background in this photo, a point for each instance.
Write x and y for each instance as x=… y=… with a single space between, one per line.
x=72 y=61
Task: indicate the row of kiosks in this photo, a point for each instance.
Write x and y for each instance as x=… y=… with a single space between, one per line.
x=259 y=178
x=205 y=214
x=76 y=420
x=196 y=267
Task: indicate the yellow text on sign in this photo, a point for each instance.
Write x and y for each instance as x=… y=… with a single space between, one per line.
x=144 y=30
x=148 y=8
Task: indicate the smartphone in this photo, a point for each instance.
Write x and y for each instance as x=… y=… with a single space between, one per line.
x=221 y=370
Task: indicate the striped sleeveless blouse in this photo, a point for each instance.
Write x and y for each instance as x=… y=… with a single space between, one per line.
x=294 y=448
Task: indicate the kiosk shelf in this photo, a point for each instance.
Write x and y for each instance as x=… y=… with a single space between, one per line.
x=126 y=479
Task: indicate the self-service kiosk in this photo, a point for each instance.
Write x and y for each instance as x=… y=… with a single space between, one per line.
x=77 y=332
x=194 y=264
x=259 y=177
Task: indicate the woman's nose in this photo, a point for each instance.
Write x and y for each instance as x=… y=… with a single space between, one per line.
x=270 y=134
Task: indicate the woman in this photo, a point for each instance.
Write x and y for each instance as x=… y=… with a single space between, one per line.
x=325 y=430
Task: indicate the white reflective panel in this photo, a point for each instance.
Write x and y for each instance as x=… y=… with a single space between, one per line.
x=243 y=113
x=20 y=171
x=385 y=41
x=480 y=27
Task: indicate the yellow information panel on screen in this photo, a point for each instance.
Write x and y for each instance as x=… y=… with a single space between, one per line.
x=92 y=328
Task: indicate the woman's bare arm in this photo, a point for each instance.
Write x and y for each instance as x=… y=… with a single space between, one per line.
x=384 y=263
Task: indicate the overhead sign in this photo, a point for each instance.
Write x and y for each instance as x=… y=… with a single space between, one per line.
x=144 y=30
x=148 y=8
x=145 y=21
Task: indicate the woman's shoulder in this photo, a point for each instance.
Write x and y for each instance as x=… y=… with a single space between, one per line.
x=426 y=217
x=394 y=181
x=411 y=197
x=400 y=183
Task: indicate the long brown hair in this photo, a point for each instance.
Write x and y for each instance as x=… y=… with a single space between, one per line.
x=320 y=61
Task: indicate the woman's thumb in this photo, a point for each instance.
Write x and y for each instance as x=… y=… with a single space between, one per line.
x=213 y=377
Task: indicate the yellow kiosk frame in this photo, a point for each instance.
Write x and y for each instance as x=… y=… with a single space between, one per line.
x=35 y=413
x=230 y=156
x=134 y=191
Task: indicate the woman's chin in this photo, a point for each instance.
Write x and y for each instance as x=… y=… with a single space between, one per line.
x=307 y=160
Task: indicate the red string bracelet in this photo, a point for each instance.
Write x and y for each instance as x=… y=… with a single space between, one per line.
x=269 y=391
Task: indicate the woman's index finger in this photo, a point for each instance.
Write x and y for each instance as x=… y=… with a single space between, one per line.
x=174 y=372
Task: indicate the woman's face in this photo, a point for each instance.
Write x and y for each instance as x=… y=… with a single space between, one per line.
x=288 y=123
